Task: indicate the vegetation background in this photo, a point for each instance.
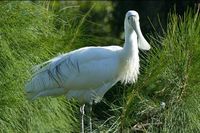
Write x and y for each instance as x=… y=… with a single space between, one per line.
x=32 y=32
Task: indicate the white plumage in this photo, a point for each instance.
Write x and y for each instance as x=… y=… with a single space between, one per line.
x=88 y=73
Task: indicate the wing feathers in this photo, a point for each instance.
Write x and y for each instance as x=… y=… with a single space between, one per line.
x=62 y=71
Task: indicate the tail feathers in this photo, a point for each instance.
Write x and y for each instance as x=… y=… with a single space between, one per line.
x=40 y=82
x=34 y=87
x=44 y=80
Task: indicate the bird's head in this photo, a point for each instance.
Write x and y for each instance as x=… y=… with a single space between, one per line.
x=132 y=23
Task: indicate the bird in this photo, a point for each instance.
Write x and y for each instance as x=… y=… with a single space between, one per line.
x=87 y=73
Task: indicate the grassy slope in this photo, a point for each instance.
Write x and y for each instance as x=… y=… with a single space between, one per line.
x=27 y=37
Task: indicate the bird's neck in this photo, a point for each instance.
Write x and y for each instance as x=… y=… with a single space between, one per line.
x=130 y=58
x=130 y=46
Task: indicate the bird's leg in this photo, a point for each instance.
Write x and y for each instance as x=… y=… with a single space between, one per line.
x=82 y=110
x=90 y=117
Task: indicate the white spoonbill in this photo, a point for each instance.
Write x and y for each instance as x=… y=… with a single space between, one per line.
x=86 y=74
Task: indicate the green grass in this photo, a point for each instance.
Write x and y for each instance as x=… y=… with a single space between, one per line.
x=28 y=36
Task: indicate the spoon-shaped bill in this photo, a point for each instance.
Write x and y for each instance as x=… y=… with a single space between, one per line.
x=142 y=43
